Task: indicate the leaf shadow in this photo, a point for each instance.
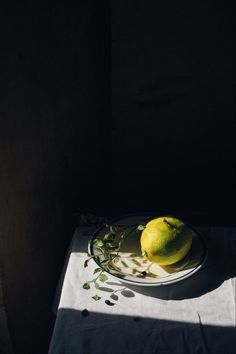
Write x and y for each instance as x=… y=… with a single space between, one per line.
x=114 y=297
x=104 y=288
x=127 y=293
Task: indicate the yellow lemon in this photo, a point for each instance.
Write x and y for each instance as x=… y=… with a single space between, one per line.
x=165 y=240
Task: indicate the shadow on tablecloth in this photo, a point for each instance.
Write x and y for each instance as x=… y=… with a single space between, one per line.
x=98 y=333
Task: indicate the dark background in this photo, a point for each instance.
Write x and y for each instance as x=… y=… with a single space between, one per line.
x=109 y=108
x=173 y=107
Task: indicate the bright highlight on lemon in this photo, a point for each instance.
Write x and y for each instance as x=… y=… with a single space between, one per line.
x=165 y=240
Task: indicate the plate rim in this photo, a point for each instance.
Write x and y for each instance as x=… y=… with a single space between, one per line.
x=153 y=284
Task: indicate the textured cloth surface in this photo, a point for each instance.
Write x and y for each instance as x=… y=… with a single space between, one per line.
x=196 y=315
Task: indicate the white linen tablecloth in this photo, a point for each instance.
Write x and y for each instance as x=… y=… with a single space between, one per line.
x=196 y=315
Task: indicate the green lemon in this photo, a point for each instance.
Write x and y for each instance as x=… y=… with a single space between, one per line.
x=165 y=240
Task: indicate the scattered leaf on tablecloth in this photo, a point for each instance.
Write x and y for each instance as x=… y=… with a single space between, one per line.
x=103 y=278
x=96 y=297
x=86 y=286
x=109 y=303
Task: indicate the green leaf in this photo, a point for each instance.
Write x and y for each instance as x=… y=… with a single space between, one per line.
x=105 y=262
x=107 y=267
x=86 y=286
x=103 y=278
x=97 y=270
x=113 y=229
x=140 y=227
x=96 y=297
x=98 y=243
x=113 y=246
x=108 y=237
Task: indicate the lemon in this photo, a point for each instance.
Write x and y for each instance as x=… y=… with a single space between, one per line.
x=165 y=240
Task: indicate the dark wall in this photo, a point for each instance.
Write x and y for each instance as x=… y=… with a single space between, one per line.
x=53 y=148
x=173 y=107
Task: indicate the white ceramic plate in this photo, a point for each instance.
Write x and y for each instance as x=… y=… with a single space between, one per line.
x=133 y=268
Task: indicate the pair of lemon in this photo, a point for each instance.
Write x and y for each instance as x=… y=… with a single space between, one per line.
x=165 y=240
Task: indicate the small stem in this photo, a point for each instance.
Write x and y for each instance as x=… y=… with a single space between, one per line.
x=95 y=279
x=115 y=291
x=170 y=225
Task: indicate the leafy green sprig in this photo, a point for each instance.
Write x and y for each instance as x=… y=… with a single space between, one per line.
x=109 y=246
